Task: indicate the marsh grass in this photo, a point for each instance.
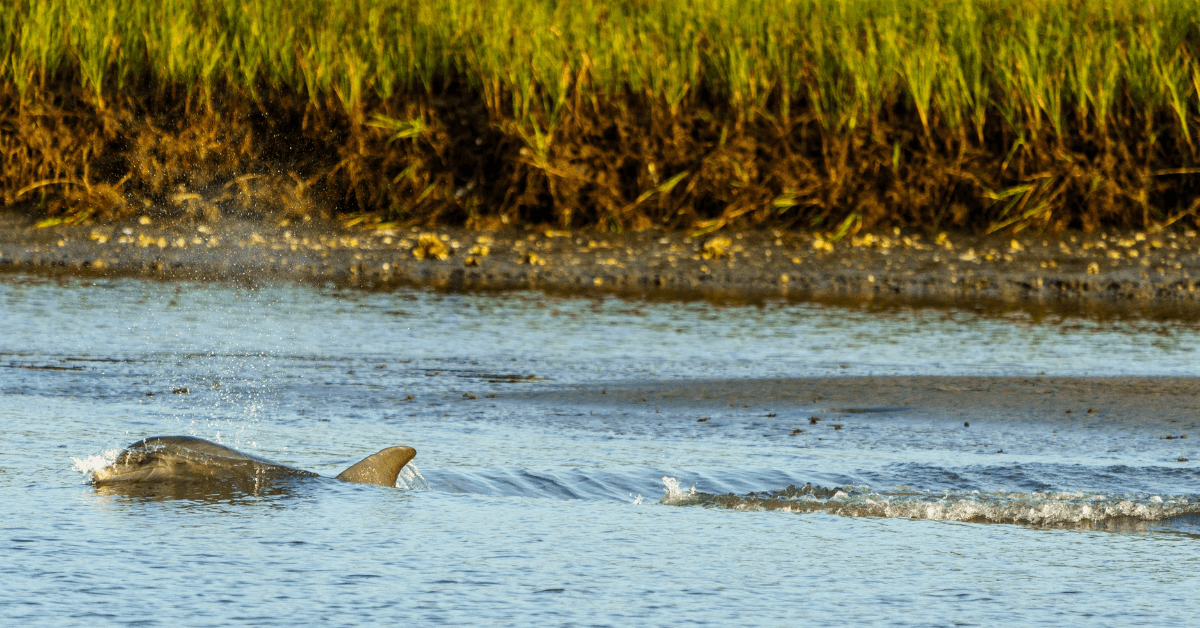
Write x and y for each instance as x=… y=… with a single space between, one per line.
x=826 y=114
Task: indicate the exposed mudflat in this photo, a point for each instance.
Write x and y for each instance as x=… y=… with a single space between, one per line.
x=1144 y=273
x=1167 y=404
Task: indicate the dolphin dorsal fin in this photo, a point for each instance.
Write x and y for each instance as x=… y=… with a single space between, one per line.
x=381 y=468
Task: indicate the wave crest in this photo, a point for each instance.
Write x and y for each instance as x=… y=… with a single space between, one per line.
x=1049 y=509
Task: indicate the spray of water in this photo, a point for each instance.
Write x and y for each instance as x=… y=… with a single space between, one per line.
x=94 y=463
x=1055 y=509
x=674 y=494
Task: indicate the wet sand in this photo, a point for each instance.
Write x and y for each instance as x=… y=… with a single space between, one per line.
x=1170 y=405
x=1144 y=273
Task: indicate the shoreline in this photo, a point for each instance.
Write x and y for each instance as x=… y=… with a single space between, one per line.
x=1134 y=273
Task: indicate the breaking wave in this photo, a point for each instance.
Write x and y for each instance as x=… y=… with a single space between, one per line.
x=410 y=478
x=1044 y=509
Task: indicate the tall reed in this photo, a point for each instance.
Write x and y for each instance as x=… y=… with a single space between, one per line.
x=1037 y=63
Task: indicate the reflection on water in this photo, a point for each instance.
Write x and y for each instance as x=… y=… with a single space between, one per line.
x=530 y=507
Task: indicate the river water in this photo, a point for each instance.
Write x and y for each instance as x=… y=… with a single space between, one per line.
x=527 y=506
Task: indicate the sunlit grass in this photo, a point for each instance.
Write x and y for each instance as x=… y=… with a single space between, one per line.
x=1039 y=64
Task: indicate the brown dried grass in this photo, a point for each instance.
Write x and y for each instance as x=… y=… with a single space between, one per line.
x=627 y=165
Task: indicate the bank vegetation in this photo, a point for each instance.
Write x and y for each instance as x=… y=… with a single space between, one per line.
x=825 y=115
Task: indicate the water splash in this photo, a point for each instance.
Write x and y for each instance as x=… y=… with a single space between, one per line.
x=1043 y=509
x=89 y=465
x=674 y=494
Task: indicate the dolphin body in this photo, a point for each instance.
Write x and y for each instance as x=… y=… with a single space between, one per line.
x=176 y=460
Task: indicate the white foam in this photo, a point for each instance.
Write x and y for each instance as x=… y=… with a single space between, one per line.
x=91 y=464
x=1053 y=509
x=674 y=493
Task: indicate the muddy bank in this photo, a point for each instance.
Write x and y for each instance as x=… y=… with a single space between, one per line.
x=1146 y=273
x=1170 y=405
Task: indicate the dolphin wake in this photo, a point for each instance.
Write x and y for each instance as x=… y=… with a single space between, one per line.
x=1043 y=509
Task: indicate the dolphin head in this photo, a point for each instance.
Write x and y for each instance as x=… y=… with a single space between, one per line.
x=169 y=458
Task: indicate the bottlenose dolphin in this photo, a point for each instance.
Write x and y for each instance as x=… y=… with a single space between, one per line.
x=185 y=459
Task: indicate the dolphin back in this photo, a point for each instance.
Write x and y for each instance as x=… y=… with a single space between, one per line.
x=381 y=468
